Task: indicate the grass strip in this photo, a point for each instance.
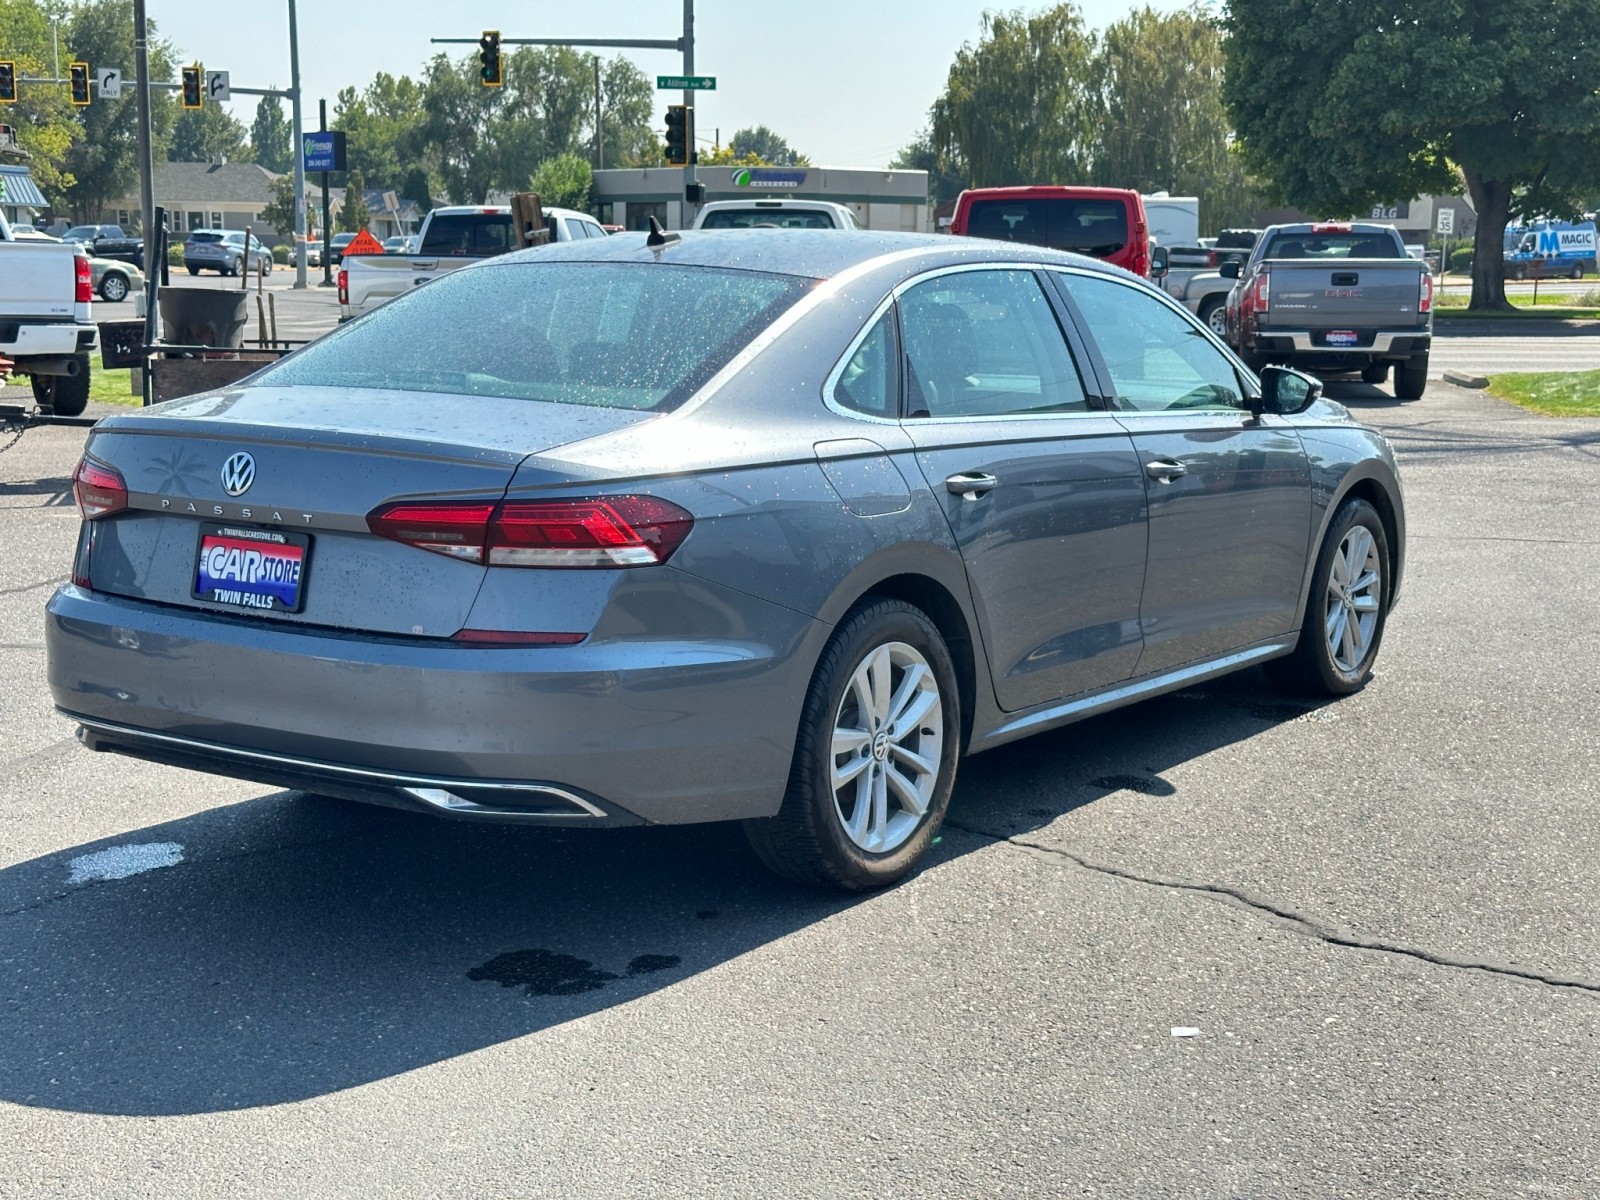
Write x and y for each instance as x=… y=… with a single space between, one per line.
x=1553 y=393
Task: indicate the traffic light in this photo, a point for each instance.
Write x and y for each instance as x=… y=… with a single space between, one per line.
x=78 y=83
x=193 y=97
x=489 y=57
x=8 y=83
x=680 y=135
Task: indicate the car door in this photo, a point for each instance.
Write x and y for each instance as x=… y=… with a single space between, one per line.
x=1229 y=493
x=1040 y=484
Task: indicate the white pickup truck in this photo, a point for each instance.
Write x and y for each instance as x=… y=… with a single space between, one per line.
x=45 y=326
x=450 y=238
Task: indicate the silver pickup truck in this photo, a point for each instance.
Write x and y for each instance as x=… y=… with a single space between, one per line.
x=1332 y=297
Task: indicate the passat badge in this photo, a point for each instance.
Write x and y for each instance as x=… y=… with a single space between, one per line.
x=238 y=473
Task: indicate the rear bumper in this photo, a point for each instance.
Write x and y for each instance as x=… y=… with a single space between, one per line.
x=664 y=731
x=48 y=340
x=1384 y=343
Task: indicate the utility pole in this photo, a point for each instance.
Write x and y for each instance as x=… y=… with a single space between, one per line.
x=299 y=154
x=599 y=144
x=688 y=100
x=327 y=262
x=141 y=75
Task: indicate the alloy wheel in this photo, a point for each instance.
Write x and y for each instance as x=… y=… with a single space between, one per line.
x=888 y=739
x=1355 y=595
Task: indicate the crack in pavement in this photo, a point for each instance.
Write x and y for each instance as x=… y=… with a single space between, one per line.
x=1297 y=921
x=29 y=587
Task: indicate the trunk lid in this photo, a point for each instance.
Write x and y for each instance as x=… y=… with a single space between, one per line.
x=321 y=459
x=37 y=280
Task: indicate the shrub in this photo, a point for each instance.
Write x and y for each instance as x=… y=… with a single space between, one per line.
x=280 y=255
x=1461 y=259
x=175 y=254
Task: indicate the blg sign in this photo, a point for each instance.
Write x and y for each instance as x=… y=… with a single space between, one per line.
x=766 y=177
x=323 y=151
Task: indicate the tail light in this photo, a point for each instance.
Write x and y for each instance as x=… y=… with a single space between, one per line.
x=1256 y=296
x=344 y=286
x=1211 y=259
x=83 y=293
x=1425 y=293
x=607 y=531
x=98 y=489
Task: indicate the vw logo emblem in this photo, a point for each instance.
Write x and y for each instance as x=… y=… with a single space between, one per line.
x=238 y=473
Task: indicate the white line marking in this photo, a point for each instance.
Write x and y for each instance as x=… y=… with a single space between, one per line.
x=119 y=862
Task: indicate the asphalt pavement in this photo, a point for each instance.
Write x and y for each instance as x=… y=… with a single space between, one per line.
x=1221 y=944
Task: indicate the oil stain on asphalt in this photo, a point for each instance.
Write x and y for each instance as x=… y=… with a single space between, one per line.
x=550 y=973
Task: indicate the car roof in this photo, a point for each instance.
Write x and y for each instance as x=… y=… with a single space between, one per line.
x=808 y=253
x=771 y=202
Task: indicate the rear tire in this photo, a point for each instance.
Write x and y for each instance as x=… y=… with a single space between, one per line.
x=1346 y=610
x=1214 y=312
x=875 y=756
x=1411 y=378
x=194 y=270
x=1377 y=372
x=114 y=287
x=67 y=397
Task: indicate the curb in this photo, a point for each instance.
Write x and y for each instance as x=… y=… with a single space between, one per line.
x=1462 y=379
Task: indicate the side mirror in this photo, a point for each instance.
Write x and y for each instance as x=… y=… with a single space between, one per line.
x=1159 y=262
x=1229 y=270
x=1287 y=392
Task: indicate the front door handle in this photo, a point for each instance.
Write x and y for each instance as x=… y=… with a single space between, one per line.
x=1165 y=470
x=969 y=485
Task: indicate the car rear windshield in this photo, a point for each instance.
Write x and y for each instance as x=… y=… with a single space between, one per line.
x=640 y=336
x=202 y=235
x=469 y=235
x=1094 y=227
x=1340 y=244
x=1237 y=239
x=760 y=218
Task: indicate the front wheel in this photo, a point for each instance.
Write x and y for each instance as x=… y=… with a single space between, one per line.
x=194 y=270
x=1347 y=608
x=875 y=757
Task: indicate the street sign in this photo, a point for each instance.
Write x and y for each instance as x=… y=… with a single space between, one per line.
x=1445 y=222
x=686 y=83
x=323 y=151
x=109 y=81
x=217 y=86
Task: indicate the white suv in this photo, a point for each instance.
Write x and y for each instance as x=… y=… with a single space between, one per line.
x=778 y=214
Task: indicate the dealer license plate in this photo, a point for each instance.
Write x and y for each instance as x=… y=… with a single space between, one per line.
x=1342 y=337
x=259 y=570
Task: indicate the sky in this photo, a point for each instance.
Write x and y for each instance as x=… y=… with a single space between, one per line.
x=846 y=82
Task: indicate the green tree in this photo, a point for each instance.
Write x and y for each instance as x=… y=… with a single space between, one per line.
x=767 y=147
x=207 y=134
x=944 y=184
x=279 y=212
x=1341 y=104
x=1016 y=107
x=42 y=119
x=380 y=124
x=355 y=215
x=563 y=181
x=1163 y=124
x=457 y=113
x=271 y=139
x=104 y=163
x=628 y=134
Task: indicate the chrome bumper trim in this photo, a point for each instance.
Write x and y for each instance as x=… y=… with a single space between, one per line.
x=442 y=795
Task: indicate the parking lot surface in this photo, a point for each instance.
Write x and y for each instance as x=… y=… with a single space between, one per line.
x=1220 y=944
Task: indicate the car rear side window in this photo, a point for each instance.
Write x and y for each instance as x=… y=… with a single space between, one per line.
x=640 y=336
x=1159 y=360
x=471 y=235
x=986 y=344
x=1094 y=227
x=870 y=379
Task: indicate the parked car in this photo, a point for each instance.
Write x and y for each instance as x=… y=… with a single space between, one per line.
x=114 y=280
x=394 y=245
x=223 y=251
x=337 y=244
x=778 y=214
x=313 y=253
x=1334 y=296
x=1105 y=223
x=513 y=547
x=107 y=241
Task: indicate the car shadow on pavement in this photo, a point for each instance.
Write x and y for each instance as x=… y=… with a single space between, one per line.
x=57 y=492
x=288 y=947
x=1360 y=396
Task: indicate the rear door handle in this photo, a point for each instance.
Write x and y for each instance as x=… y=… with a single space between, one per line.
x=969 y=485
x=1165 y=470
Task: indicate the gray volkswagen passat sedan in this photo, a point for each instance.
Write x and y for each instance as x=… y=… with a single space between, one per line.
x=767 y=526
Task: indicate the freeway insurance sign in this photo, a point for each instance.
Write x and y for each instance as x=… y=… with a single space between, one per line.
x=686 y=83
x=323 y=151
